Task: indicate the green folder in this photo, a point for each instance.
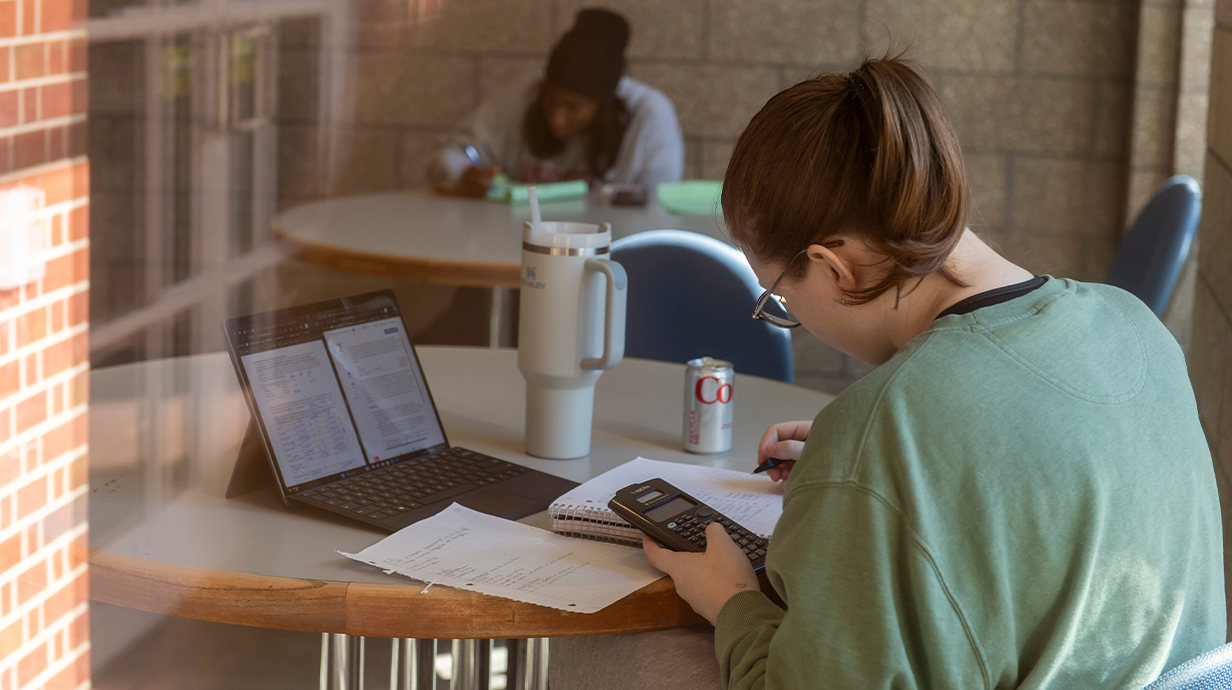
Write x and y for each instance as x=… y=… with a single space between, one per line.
x=691 y=197
x=504 y=190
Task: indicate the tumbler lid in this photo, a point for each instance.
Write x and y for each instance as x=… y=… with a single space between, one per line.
x=552 y=235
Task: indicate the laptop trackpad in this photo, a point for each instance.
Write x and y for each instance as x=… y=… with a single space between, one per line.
x=501 y=503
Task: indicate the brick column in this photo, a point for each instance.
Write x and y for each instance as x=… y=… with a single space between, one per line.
x=44 y=628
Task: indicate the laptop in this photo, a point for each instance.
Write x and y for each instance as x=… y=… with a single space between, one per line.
x=342 y=406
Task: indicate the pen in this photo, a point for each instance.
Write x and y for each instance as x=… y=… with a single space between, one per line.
x=769 y=464
x=473 y=154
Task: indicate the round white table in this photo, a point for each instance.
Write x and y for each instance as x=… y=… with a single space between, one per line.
x=423 y=237
x=164 y=435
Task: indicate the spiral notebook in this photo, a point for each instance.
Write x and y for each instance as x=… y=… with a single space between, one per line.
x=753 y=501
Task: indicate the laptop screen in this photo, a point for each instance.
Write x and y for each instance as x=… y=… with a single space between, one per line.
x=337 y=387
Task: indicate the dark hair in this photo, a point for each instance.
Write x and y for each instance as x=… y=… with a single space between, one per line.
x=870 y=153
x=603 y=137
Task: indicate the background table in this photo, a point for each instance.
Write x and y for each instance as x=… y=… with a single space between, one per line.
x=164 y=436
x=422 y=237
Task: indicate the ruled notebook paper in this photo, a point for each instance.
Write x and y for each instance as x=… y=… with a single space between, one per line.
x=465 y=549
x=753 y=501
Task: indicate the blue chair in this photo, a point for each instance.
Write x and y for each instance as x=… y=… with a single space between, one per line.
x=1151 y=254
x=692 y=296
x=1210 y=671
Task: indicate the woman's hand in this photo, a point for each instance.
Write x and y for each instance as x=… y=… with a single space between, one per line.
x=784 y=440
x=475 y=182
x=706 y=580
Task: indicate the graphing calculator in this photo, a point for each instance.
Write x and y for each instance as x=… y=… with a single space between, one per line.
x=678 y=521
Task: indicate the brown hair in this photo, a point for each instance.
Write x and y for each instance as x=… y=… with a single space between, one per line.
x=871 y=154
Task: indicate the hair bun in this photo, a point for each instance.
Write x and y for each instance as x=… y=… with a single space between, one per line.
x=607 y=26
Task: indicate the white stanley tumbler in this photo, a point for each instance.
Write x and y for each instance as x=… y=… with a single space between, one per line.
x=571 y=327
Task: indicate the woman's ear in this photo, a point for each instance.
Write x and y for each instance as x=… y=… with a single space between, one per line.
x=838 y=259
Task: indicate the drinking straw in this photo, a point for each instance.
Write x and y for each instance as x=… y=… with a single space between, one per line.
x=535 y=220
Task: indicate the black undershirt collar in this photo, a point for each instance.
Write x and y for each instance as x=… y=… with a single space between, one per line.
x=995 y=296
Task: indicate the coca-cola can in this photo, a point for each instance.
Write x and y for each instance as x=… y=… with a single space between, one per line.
x=708 y=405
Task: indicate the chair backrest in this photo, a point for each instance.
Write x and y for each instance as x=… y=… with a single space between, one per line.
x=1152 y=252
x=692 y=296
x=1210 y=671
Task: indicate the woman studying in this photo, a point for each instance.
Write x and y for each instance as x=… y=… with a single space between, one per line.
x=1020 y=496
x=581 y=119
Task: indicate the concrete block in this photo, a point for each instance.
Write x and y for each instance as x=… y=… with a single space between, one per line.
x=1215 y=233
x=370 y=163
x=1071 y=197
x=298 y=81
x=1078 y=38
x=671 y=30
x=1198 y=27
x=1097 y=257
x=1189 y=154
x=948 y=34
x=715 y=156
x=1056 y=255
x=299 y=165
x=400 y=87
x=1223 y=12
x=1209 y=363
x=799 y=31
x=1012 y=114
x=1219 y=120
x=383 y=23
x=1159 y=45
x=497 y=73
x=711 y=101
x=417 y=149
x=1114 y=117
x=986 y=180
x=692 y=158
x=1142 y=185
x=1154 y=128
x=522 y=26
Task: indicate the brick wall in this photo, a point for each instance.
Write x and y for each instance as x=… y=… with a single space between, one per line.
x=1211 y=360
x=44 y=640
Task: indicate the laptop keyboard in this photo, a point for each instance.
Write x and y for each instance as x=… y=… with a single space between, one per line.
x=415 y=483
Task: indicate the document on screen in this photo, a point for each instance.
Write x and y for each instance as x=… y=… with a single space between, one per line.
x=462 y=548
x=385 y=387
x=303 y=410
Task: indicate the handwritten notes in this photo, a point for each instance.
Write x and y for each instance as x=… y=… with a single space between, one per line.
x=469 y=550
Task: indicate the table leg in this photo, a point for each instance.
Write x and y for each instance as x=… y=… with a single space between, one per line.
x=534 y=664
x=471 y=664
x=342 y=662
x=412 y=665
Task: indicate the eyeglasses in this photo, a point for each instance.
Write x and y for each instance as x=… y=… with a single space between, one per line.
x=768 y=297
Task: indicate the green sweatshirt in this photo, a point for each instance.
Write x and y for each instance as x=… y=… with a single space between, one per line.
x=1021 y=497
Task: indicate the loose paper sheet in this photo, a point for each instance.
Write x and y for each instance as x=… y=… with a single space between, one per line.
x=462 y=548
x=753 y=501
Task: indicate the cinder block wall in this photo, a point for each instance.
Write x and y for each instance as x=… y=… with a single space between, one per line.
x=1041 y=92
x=1211 y=357
x=44 y=629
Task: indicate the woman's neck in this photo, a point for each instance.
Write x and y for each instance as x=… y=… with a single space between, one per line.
x=973 y=263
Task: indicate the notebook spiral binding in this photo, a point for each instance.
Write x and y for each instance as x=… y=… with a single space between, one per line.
x=598 y=524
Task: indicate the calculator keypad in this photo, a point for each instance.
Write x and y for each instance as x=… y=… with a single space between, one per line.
x=692 y=528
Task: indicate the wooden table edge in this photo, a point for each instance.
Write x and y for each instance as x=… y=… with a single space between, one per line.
x=357 y=608
x=409 y=268
x=215 y=595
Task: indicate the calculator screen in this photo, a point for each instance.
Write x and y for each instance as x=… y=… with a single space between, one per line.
x=672 y=508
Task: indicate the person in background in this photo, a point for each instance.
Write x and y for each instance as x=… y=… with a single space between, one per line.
x=581 y=120
x=1019 y=496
